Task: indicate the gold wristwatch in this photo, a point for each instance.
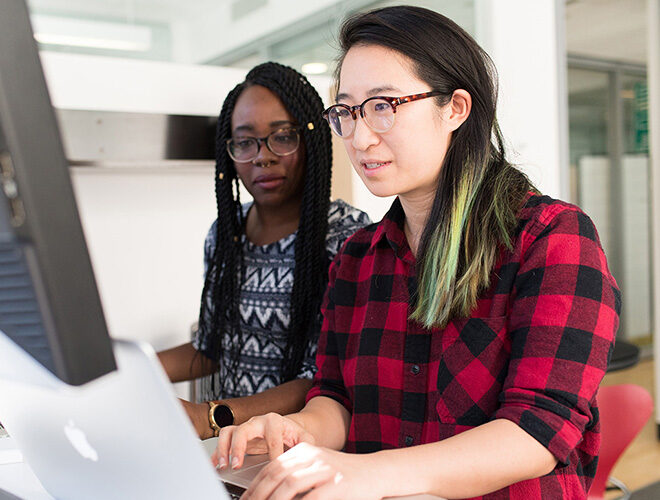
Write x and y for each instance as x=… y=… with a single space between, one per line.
x=220 y=415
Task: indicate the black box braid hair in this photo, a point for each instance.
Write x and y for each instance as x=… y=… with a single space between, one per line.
x=311 y=260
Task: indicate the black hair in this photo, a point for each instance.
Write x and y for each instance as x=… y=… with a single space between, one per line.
x=225 y=272
x=479 y=192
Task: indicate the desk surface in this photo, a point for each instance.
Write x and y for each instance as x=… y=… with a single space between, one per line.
x=18 y=479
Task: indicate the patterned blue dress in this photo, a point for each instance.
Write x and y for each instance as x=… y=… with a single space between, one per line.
x=265 y=306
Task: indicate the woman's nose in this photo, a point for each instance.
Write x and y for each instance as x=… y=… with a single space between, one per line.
x=363 y=137
x=264 y=154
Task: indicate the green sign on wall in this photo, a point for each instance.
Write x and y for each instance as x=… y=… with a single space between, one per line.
x=640 y=118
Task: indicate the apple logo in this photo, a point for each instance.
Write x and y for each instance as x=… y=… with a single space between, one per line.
x=79 y=441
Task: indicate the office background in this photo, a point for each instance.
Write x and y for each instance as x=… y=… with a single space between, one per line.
x=137 y=84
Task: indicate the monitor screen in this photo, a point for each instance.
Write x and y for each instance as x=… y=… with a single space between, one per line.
x=49 y=302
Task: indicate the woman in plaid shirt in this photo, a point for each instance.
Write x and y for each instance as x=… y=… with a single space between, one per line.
x=466 y=334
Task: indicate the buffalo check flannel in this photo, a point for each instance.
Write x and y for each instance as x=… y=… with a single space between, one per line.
x=533 y=351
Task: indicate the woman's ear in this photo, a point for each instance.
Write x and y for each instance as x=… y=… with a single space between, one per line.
x=459 y=108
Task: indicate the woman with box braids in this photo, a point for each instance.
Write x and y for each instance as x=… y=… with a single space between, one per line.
x=302 y=100
x=259 y=316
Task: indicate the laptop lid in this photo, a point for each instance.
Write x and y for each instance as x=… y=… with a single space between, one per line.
x=123 y=435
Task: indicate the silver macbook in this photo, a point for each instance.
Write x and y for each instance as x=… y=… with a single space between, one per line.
x=124 y=435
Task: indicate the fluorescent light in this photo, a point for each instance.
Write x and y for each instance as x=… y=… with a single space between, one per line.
x=627 y=94
x=51 y=30
x=314 y=68
x=96 y=43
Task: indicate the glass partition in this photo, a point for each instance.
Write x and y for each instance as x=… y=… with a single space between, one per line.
x=608 y=143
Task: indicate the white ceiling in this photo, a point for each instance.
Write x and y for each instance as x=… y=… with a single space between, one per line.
x=149 y=11
x=607 y=29
x=202 y=30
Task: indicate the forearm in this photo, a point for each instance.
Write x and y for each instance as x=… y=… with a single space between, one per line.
x=283 y=399
x=184 y=362
x=325 y=419
x=472 y=463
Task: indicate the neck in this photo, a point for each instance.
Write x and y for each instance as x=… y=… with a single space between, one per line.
x=266 y=224
x=417 y=208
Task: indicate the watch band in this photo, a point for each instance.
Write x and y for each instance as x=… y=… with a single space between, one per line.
x=220 y=415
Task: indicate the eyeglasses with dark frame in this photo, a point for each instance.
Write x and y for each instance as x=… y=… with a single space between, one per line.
x=281 y=142
x=378 y=113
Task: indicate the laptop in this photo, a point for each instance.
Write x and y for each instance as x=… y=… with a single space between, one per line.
x=124 y=435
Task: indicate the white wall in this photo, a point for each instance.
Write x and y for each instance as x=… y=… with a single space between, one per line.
x=145 y=230
x=525 y=39
x=113 y=84
x=145 y=227
x=635 y=279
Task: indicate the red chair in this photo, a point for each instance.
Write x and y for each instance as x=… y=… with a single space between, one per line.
x=624 y=409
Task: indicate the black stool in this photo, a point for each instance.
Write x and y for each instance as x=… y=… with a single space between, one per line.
x=650 y=492
x=624 y=355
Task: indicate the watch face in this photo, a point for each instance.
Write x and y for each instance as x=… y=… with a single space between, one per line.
x=223 y=416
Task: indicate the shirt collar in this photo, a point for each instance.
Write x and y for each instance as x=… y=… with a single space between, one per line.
x=391 y=230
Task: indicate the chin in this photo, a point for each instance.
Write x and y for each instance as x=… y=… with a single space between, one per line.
x=274 y=199
x=381 y=189
x=269 y=201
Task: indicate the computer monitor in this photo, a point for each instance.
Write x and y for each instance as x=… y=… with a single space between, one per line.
x=49 y=302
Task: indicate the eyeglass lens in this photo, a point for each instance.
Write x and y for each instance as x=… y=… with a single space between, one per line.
x=280 y=142
x=378 y=113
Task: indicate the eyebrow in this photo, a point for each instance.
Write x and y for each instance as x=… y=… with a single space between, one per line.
x=250 y=128
x=370 y=93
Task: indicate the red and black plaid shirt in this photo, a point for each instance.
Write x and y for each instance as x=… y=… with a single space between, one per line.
x=533 y=351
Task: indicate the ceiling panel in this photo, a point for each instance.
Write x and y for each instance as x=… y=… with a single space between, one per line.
x=607 y=29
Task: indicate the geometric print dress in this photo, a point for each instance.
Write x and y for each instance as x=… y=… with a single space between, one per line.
x=265 y=307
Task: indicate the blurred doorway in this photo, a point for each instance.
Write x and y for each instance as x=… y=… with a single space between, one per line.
x=610 y=178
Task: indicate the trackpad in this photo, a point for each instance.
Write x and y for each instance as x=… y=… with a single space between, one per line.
x=244 y=476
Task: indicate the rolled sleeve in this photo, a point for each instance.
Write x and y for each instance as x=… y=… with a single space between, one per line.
x=563 y=319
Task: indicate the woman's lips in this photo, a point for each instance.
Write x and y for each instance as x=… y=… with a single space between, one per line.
x=269 y=181
x=372 y=167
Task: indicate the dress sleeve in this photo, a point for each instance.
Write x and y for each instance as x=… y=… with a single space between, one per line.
x=308 y=368
x=328 y=380
x=204 y=321
x=343 y=221
x=563 y=318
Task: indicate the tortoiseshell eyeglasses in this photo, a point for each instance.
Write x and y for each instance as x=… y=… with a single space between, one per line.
x=377 y=112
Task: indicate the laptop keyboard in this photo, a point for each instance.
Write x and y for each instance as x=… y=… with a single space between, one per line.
x=234 y=491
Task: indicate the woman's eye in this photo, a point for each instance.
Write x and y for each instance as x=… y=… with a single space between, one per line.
x=381 y=107
x=342 y=113
x=242 y=143
x=284 y=138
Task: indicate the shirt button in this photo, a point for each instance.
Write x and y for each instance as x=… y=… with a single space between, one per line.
x=409 y=440
x=414 y=369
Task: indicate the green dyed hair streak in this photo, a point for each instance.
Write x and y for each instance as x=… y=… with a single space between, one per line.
x=456 y=266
